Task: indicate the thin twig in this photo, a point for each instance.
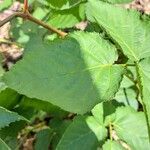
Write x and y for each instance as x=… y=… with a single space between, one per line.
x=28 y=16
x=9 y=18
x=130 y=65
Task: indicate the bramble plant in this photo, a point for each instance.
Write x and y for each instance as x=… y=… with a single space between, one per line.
x=84 y=79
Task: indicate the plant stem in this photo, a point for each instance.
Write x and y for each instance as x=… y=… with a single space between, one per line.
x=130 y=65
x=25 y=5
x=116 y=138
x=9 y=18
x=139 y=81
x=27 y=15
x=127 y=65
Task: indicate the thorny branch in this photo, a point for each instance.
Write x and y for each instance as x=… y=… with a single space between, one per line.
x=28 y=16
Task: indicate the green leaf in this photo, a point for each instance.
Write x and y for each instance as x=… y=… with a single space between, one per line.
x=75 y=73
x=9 y=134
x=131 y=127
x=112 y=145
x=126 y=82
x=3 y=145
x=2 y=85
x=82 y=130
x=63 y=4
x=43 y=139
x=127 y=94
x=144 y=71
x=7 y=117
x=12 y=130
x=59 y=126
x=98 y=129
x=124 y=26
x=40 y=13
x=9 y=98
x=98 y=113
x=29 y=103
x=66 y=18
x=103 y=111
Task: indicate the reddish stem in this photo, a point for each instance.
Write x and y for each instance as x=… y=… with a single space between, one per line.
x=25 y=5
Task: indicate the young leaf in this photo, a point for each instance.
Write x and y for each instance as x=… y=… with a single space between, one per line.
x=130 y=126
x=82 y=134
x=124 y=26
x=75 y=73
x=7 y=117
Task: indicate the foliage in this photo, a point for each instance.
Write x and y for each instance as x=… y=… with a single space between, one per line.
x=88 y=90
